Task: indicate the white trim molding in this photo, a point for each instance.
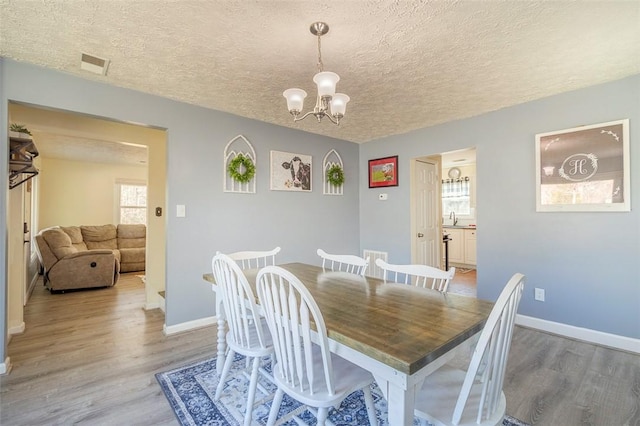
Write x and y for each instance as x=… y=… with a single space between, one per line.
x=564 y=330
x=5 y=367
x=154 y=305
x=592 y=336
x=18 y=329
x=189 y=325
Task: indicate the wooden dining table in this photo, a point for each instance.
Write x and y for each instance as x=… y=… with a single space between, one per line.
x=399 y=332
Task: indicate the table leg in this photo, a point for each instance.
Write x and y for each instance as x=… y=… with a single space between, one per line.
x=400 y=403
x=222 y=341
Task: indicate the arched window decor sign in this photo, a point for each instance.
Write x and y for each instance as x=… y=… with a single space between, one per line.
x=239 y=166
x=333 y=173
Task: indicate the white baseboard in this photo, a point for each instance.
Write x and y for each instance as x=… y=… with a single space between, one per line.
x=18 y=329
x=5 y=367
x=32 y=285
x=149 y=306
x=579 y=333
x=156 y=303
x=584 y=334
x=189 y=325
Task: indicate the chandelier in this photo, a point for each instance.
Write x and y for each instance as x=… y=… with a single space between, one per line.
x=328 y=103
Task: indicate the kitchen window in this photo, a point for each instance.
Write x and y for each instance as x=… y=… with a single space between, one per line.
x=456 y=196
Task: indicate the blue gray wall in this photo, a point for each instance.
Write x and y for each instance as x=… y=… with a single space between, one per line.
x=298 y=222
x=588 y=263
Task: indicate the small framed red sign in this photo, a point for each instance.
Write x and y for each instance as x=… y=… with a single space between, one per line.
x=383 y=172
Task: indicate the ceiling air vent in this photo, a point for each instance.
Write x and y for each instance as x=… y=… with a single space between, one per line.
x=94 y=64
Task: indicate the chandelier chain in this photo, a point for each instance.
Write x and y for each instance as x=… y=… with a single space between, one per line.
x=320 y=64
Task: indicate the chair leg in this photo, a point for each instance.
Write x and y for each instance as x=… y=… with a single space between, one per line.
x=371 y=408
x=275 y=407
x=322 y=415
x=225 y=371
x=253 y=383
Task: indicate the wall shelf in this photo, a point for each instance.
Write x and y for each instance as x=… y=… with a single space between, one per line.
x=22 y=151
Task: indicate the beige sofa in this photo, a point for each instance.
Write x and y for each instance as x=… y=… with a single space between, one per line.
x=90 y=256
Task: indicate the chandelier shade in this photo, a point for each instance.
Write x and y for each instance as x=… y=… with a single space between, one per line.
x=326 y=82
x=295 y=99
x=328 y=103
x=339 y=104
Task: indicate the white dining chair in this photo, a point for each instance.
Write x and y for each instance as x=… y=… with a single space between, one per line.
x=306 y=371
x=255 y=259
x=344 y=262
x=247 y=336
x=418 y=275
x=454 y=397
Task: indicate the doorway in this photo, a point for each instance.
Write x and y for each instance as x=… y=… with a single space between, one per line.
x=459 y=216
x=446 y=201
x=82 y=139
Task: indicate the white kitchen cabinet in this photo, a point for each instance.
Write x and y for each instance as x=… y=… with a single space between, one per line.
x=470 y=246
x=456 y=245
x=462 y=246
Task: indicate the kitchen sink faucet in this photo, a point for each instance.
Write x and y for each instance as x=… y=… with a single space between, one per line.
x=452 y=215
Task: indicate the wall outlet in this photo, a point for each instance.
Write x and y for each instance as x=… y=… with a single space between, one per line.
x=539 y=294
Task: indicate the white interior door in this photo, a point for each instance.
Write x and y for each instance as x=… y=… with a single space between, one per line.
x=426 y=225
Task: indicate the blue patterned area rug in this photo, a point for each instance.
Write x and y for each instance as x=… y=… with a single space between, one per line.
x=190 y=392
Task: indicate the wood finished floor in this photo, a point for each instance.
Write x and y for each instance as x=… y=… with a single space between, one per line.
x=89 y=358
x=464 y=282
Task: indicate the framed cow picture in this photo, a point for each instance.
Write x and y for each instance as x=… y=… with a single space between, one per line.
x=290 y=172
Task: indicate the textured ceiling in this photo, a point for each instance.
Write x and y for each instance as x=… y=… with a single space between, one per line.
x=406 y=65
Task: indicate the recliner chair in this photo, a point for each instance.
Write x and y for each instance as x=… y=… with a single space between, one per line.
x=70 y=265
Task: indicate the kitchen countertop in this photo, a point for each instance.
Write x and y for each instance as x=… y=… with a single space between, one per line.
x=458 y=227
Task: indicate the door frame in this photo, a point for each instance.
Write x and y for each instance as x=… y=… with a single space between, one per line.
x=156 y=227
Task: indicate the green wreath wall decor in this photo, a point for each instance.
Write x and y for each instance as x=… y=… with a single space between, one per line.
x=241 y=169
x=335 y=175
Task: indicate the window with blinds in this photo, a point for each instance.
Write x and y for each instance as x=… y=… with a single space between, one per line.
x=456 y=196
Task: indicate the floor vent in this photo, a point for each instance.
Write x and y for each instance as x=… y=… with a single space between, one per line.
x=374 y=270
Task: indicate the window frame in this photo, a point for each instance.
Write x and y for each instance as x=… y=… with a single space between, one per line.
x=117 y=196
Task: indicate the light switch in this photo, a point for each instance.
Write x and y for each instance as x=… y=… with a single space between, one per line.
x=383 y=197
x=181 y=210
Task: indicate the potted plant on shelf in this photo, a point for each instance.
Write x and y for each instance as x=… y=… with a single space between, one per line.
x=19 y=131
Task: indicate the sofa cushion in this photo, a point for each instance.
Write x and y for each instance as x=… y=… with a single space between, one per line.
x=132 y=236
x=76 y=237
x=132 y=255
x=99 y=237
x=59 y=242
